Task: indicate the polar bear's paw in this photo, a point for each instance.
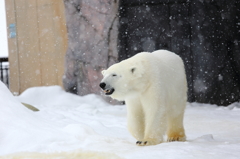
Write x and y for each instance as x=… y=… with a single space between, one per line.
x=176 y=138
x=146 y=143
x=141 y=143
x=176 y=135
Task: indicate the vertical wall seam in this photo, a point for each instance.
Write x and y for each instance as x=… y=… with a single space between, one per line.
x=17 y=50
x=39 y=46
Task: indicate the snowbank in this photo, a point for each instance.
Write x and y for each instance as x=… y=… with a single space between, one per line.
x=70 y=123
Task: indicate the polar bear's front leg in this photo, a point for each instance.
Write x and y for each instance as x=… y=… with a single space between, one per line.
x=155 y=128
x=155 y=123
x=175 y=130
x=135 y=119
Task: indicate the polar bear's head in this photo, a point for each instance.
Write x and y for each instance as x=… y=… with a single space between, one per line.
x=122 y=80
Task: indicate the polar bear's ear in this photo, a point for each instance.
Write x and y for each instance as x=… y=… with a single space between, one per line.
x=137 y=72
x=103 y=71
x=133 y=69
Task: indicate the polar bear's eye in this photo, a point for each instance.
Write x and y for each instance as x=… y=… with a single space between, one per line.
x=114 y=75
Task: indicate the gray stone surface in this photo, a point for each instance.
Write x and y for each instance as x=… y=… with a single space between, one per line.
x=92 y=47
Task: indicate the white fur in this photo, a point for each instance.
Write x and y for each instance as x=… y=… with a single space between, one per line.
x=154 y=87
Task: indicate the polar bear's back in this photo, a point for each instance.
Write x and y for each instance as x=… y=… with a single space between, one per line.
x=167 y=62
x=161 y=66
x=171 y=73
x=160 y=57
x=167 y=70
x=169 y=65
x=164 y=63
x=167 y=57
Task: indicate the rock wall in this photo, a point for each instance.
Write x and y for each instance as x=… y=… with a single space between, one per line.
x=92 y=47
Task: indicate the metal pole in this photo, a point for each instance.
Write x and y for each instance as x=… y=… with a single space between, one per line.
x=1 y=70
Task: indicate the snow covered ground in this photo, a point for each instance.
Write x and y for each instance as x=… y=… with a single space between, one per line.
x=67 y=122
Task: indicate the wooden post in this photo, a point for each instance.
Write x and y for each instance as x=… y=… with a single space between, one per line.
x=14 y=81
x=36 y=53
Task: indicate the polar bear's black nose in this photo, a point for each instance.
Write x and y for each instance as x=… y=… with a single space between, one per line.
x=102 y=85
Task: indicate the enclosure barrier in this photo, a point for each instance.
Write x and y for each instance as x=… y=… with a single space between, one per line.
x=4 y=71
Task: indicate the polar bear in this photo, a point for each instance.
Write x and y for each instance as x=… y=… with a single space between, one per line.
x=154 y=88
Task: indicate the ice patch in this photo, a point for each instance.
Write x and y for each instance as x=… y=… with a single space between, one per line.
x=205 y=138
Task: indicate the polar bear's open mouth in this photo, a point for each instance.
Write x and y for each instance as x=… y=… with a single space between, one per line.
x=109 y=91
